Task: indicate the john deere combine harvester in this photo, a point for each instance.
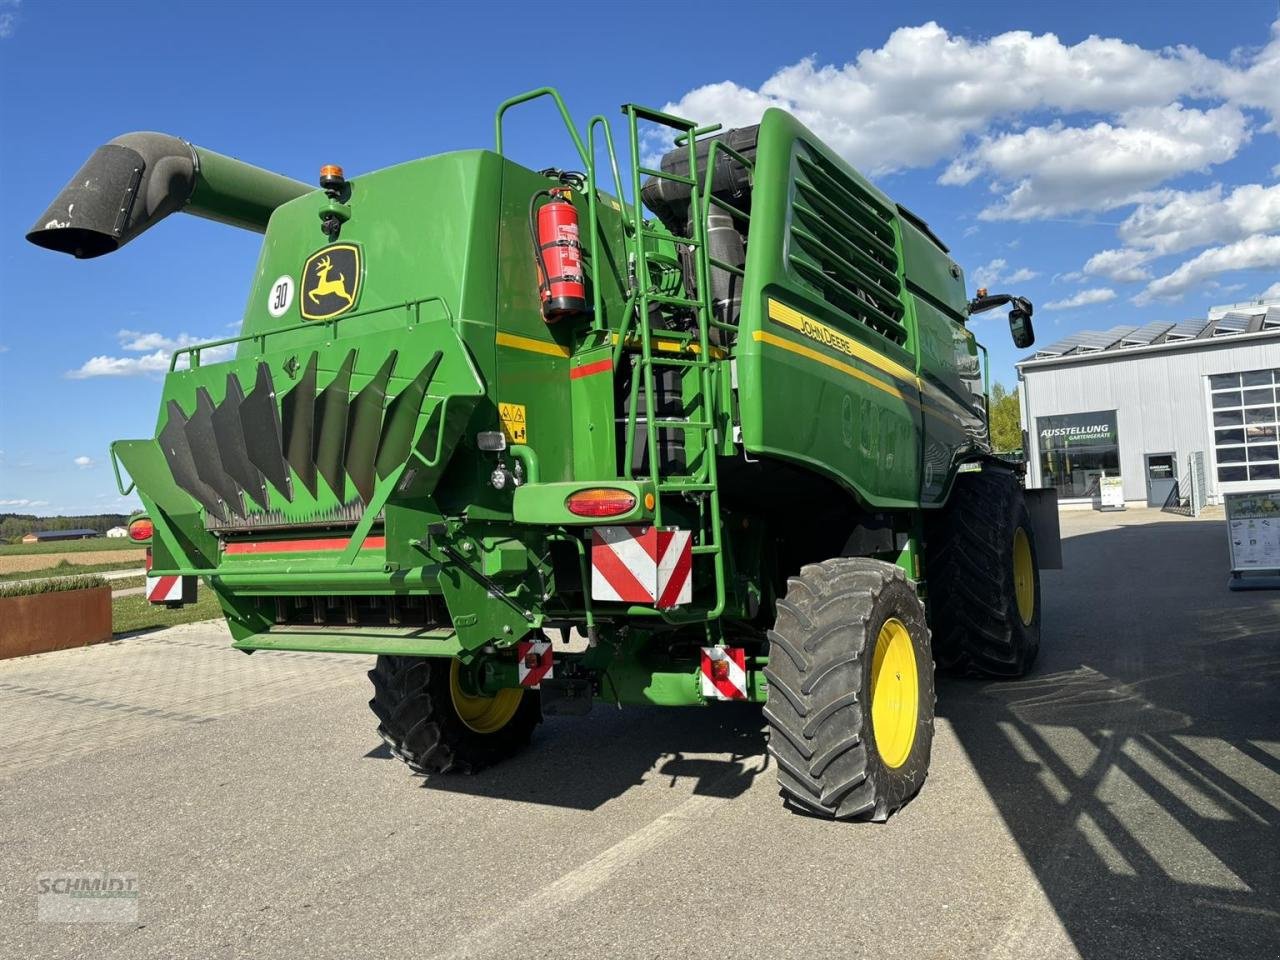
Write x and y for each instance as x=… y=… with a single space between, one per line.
x=534 y=445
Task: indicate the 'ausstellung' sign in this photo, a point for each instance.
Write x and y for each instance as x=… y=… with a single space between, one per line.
x=1078 y=428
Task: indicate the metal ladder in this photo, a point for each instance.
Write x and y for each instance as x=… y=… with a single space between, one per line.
x=700 y=485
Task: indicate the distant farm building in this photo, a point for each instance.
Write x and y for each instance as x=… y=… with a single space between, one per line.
x=115 y=533
x=50 y=536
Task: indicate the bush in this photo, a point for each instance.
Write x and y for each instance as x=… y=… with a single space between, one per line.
x=51 y=586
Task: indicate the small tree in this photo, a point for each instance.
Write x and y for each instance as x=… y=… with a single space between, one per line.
x=1006 y=420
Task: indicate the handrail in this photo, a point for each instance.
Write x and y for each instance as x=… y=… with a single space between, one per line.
x=593 y=213
x=707 y=197
x=115 y=466
x=534 y=95
x=193 y=351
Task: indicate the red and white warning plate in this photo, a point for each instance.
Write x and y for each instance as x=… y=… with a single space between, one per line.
x=169 y=589
x=642 y=565
x=724 y=673
x=535 y=662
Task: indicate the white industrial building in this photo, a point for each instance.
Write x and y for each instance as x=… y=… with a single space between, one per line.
x=1155 y=405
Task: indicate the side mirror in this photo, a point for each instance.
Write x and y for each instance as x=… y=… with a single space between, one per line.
x=1024 y=335
x=1019 y=317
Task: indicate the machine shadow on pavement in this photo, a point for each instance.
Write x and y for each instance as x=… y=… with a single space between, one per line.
x=1138 y=767
x=583 y=762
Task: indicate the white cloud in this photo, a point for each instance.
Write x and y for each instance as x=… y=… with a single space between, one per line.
x=84 y=462
x=1085 y=298
x=3 y=348
x=24 y=503
x=104 y=366
x=143 y=342
x=1121 y=266
x=1252 y=253
x=1003 y=106
x=989 y=274
x=1058 y=169
x=1257 y=83
x=1176 y=220
x=1271 y=293
x=920 y=96
x=8 y=17
x=155 y=362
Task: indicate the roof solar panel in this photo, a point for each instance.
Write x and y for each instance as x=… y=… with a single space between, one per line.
x=1186 y=330
x=1145 y=334
x=1231 y=323
x=1127 y=336
x=1107 y=338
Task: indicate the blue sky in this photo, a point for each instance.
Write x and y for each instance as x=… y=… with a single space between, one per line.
x=1118 y=179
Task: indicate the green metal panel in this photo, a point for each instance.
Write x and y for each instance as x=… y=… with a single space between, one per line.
x=591 y=386
x=931 y=270
x=827 y=390
x=954 y=399
x=434 y=643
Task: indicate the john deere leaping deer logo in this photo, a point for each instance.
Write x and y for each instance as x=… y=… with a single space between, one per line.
x=330 y=281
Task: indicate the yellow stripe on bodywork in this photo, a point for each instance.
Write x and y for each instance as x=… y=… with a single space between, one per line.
x=834 y=339
x=673 y=346
x=530 y=345
x=763 y=336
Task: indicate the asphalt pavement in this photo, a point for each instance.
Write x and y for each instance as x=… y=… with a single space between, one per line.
x=1123 y=801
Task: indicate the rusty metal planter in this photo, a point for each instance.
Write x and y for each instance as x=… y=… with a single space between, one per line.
x=41 y=622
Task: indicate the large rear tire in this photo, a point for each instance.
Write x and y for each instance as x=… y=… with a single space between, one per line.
x=984 y=578
x=851 y=700
x=428 y=719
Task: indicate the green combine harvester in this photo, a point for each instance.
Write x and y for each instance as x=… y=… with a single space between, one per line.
x=721 y=437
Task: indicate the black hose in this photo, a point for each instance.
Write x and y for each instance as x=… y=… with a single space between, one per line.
x=537 y=246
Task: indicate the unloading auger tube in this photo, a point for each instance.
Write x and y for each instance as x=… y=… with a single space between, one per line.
x=133 y=182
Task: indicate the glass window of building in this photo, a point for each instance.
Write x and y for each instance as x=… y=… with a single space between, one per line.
x=1245 y=441
x=1077 y=450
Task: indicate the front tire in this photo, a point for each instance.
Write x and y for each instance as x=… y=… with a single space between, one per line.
x=851 y=699
x=428 y=719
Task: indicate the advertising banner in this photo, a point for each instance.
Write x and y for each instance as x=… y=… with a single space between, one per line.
x=1253 y=528
x=1112 y=492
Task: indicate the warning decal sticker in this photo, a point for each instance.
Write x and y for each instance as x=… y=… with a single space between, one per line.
x=513 y=422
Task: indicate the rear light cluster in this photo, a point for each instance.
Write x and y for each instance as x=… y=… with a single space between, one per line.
x=600 y=502
x=141 y=530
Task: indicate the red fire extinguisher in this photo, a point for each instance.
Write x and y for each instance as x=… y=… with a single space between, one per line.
x=559 y=253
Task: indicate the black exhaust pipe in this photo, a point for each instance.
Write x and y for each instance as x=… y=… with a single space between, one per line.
x=135 y=181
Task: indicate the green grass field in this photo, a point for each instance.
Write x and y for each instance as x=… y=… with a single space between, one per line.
x=131 y=614
x=65 y=569
x=68 y=546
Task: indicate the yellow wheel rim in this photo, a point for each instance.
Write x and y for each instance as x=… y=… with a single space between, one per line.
x=895 y=693
x=482 y=714
x=1024 y=576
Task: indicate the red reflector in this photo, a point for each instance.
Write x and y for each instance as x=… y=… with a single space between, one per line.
x=141 y=530
x=719 y=669
x=600 y=502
